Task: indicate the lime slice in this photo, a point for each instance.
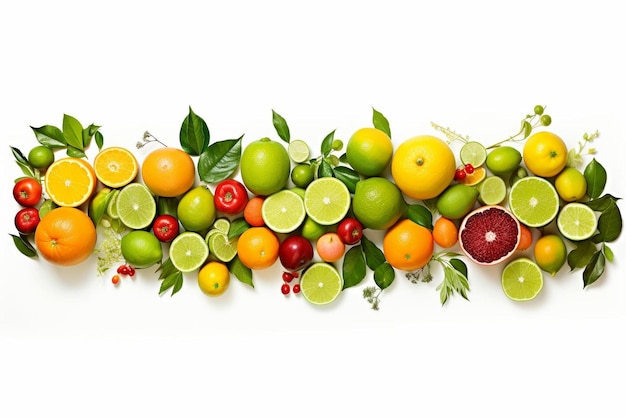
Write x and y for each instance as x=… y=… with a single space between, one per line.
x=473 y=153
x=135 y=206
x=283 y=211
x=492 y=190
x=222 y=224
x=298 y=151
x=188 y=251
x=522 y=279
x=212 y=231
x=577 y=221
x=222 y=248
x=534 y=201
x=321 y=283
x=327 y=200
x=112 y=207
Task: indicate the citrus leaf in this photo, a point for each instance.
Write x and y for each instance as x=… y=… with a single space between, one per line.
x=194 y=134
x=88 y=133
x=327 y=144
x=602 y=203
x=50 y=136
x=374 y=257
x=24 y=246
x=380 y=122
x=73 y=132
x=348 y=176
x=594 y=270
x=75 y=152
x=325 y=169
x=353 y=269
x=220 y=160
x=240 y=271
x=595 y=174
x=420 y=215
x=99 y=140
x=384 y=275
x=581 y=255
x=170 y=276
x=281 y=126
x=608 y=253
x=610 y=224
x=237 y=227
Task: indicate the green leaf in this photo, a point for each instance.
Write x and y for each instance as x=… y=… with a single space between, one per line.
x=281 y=126
x=170 y=276
x=581 y=255
x=327 y=144
x=609 y=224
x=220 y=160
x=594 y=270
x=420 y=215
x=384 y=275
x=240 y=271
x=99 y=140
x=73 y=132
x=88 y=133
x=23 y=163
x=595 y=174
x=380 y=122
x=75 y=152
x=354 y=268
x=24 y=246
x=527 y=128
x=602 y=203
x=459 y=265
x=237 y=227
x=608 y=253
x=348 y=176
x=325 y=169
x=50 y=136
x=374 y=257
x=194 y=134
x=454 y=282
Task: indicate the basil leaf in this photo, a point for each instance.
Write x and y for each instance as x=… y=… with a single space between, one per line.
x=220 y=160
x=50 y=136
x=353 y=269
x=327 y=144
x=384 y=275
x=420 y=215
x=380 y=122
x=594 y=270
x=240 y=271
x=24 y=246
x=374 y=257
x=280 y=124
x=595 y=174
x=73 y=132
x=348 y=176
x=194 y=134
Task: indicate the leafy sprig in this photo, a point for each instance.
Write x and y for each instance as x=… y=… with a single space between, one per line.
x=72 y=137
x=575 y=155
x=455 y=275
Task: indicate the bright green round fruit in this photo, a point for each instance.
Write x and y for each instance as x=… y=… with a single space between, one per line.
x=265 y=167
x=456 y=201
x=369 y=151
x=40 y=157
x=141 y=249
x=196 y=209
x=302 y=175
x=503 y=160
x=378 y=203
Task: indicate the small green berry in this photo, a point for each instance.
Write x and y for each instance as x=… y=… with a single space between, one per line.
x=546 y=120
x=337 y=144
x=538 y=110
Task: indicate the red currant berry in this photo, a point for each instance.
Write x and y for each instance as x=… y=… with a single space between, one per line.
x=131 y=271
x=116 y=279
x=122 y=269
x=296 y=288
x=295 y=274
x=459 y=174
x=287 y=276
x=285 y=289
x=469 y=168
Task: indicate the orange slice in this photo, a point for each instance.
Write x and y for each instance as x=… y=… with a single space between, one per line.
x=475 y=177
x=115 y=166
x=69 y=182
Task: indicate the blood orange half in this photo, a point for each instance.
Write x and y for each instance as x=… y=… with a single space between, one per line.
x=489 y=234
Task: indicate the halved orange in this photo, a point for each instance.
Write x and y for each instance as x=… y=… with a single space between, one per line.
x=69 y=182
x=475 y=177
x=115 y=166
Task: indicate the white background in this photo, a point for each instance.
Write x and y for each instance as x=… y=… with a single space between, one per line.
x=72 y=343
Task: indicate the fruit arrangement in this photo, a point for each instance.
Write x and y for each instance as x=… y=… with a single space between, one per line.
x=217 y=209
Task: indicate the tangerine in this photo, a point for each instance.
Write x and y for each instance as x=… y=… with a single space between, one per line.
x=408 y=246
x=65 y=236
x=257 y=247
x=70 y=181
x=168 y=172
x=253 y=212
x=526 y=238
x=445 y=232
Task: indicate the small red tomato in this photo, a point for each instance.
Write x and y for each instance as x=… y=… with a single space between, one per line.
x=27 y=192
x=350 y=231
x=26 y=220
x=165 y=227
x=230 y=196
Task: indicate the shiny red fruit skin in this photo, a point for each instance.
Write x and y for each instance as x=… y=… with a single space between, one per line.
x=350 y=231
x=230 y=197
x=27 y=192
x=27 y=220
x=165 y=227
x=295 y=252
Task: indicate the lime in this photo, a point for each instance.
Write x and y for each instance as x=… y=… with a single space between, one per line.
x=577 y=221
x=321 y=283
x=112 y=206
x=522 y=279
x=265 y=166
x=299 y=191
x=378 y=203
x=369 y=151
x=311 y=229
x=503 y=160
x=188 y=251
x=298 y=151
x=473 y=153
x=222 y=224
x=135 y=206
x=327 y=200
x=196 y=209
x=534 y=201
x=222 y=248
x=456 y=201
x=40 y=157
x=212 y=231
x=302 y=175
x=492 y=190
x=141 y=249
x=283 y=211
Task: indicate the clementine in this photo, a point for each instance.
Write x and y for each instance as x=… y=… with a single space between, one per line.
x=257 y=247
x=253 y=212
x=65 y=236
x=445 y=232
x=168 y=172
x=408 y=246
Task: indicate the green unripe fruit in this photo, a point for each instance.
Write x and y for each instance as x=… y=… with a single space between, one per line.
x=456 y=201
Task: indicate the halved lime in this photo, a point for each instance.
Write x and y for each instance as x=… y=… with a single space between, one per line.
x=321 y=283
x=522 y=279
x=222 y=224
x=188 y=251
x=577 y=221
x=112 y=207
x=492 y=190
x=298 y=151
x=534 y=201
x=136 y=206
x=473 y=153
x=283 y=211
x=327 y=200
x=222 y=248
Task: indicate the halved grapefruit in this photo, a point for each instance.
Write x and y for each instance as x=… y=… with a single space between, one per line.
x=489 y=234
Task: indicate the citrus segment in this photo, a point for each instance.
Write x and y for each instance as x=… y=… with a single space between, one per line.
x=577 y=221
x=327 y=200
x=112 y=206
x=188 y=251
x=321 y=283
x=475 y=178
x=534 y=201
x=298 y=151
x=473 y=153
x=69 y=182
x=115 y=166
x=135 y=205
x=283 y=211
x=522 y=279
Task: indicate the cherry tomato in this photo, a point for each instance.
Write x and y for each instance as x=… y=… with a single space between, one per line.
x=26 y=220
x=27 y=192
x=165 y=227
x=350 y=231
x=230 y=196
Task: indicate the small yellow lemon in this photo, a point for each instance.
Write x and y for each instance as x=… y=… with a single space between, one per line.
x=571 y=184
x=213 y=278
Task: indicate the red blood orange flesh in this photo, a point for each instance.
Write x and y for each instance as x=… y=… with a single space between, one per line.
x=489 y=234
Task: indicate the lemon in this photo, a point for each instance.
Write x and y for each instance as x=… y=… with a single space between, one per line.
x=265 y=166
x=571 y=184
x=378 y=203
x=214 y=278
x=545 y=154
x=369 y=151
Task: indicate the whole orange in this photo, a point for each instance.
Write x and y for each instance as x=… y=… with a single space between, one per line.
x=65 y=236
x=445 y=232
x=257 y=247
x=408 y=246
x=423 y=166
x=168 y=172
